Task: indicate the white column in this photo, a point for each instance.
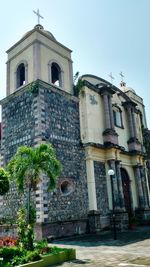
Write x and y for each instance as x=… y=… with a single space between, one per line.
x=91 y=185
x=8 y=79
x=36 y=61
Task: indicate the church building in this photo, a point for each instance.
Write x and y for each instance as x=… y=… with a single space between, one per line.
x=96 y=129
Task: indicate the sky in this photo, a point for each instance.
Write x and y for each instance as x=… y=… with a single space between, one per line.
x=105 y=36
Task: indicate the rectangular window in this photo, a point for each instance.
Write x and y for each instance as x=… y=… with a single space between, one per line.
x=117 y=118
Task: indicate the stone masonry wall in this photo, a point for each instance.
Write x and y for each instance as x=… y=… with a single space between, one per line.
x=47 y=115
x=60 y=126
x=101 y=187
x=18 y=128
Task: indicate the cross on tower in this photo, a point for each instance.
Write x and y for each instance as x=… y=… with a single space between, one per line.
x=121 y=75
x=111 y=77
x=38 y=15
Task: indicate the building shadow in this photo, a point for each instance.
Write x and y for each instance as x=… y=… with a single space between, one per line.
x=106 y=238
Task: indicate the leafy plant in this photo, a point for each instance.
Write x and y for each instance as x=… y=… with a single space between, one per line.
x=77 y=84
x=41 y=244
x=34 y=88
x=77 y=88
x=7 y=253
x=42 y=247
x=26 y=167
x=12 y=256
x=29 y=256
x=26 y=232
x=22 y=241
x=4 y=181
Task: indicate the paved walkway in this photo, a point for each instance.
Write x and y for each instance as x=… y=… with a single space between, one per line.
x=131 y=249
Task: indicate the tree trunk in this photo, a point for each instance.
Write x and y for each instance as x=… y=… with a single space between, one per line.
x=28 y=203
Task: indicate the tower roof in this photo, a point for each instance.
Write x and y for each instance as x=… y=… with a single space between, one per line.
x=41 y=29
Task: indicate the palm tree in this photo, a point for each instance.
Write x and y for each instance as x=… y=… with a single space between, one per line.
x=28 y=165
x=4 y=182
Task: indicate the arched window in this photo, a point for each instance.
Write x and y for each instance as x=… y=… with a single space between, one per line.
x=117 y=113
x=21 y=75
x=56 y=77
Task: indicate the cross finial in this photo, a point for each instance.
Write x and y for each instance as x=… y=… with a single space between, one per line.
x=38 y=15
x=111 y=77
x=122 y=83
x=121 y=75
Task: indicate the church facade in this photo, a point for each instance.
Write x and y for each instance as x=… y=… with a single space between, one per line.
x=94 y=127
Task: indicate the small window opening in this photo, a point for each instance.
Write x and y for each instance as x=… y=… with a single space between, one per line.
x=118 y=118
x=21 y=75
x=56 y=74
x=66 y=188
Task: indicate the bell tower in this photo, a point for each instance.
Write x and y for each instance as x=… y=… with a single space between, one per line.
x=38 y=55
x=44 y=111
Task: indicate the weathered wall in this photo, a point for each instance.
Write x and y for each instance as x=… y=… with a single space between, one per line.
x=60 y=117
x=50 y=115
x=101 y=187
x=18 y=122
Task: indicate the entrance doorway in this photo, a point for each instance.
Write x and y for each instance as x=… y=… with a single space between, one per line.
x=126 y=190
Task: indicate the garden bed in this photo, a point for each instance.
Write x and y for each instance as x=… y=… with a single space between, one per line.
x=14 y=256
x=48 y=260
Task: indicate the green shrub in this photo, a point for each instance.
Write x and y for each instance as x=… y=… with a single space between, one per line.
x=33 y=256
x=10 y=252
x=41 y=244
x=13 y=256
x=26 y=232
x=56 y=250
x=29 y=256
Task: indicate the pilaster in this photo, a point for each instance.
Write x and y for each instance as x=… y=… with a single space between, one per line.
x=109 y=135
x=143 y=182
x=115 y=193
x=130 y=120
x=134 y=123
x=133 y=142
x=139 y=186
x=120 y=188
x=111 y=111
x=91 y=185
x=106 y=111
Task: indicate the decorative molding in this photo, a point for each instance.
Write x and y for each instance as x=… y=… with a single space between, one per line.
x=93 y=101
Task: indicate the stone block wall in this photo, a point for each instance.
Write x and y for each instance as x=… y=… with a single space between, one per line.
x=18 y=128
x=47 y=115
x=60 y=126
x=18 y=122
x=101 y=193
x=101 y=187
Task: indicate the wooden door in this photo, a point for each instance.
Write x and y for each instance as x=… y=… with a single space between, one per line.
x=126 y=190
